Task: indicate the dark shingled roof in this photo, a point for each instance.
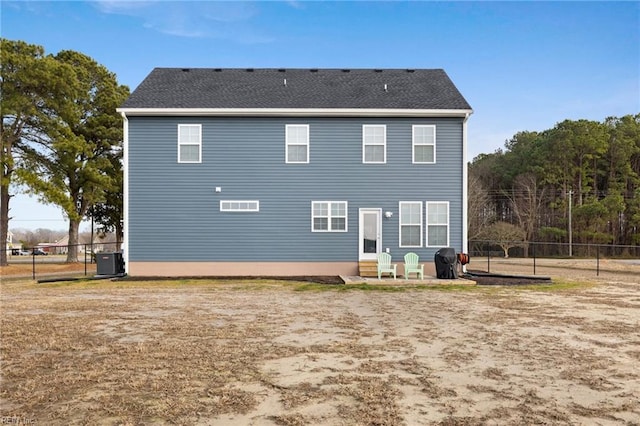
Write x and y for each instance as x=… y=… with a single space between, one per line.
x=304 y=88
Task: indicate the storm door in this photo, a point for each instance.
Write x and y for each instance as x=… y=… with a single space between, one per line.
x=370 y=231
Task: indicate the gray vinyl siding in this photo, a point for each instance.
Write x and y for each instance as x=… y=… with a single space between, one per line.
x=174 y=211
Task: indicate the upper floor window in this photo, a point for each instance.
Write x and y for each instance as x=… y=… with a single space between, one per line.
x=410 y=223
x=437 y=223
x=374 y=143
x=424 y=144
x=189 y=143
x=329 y=216
x=297 y=143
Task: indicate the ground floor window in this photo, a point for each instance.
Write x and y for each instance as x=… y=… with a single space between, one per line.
x=329 y=216
x=410 y=224
x=437 y=224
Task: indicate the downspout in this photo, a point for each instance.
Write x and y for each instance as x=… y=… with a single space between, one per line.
x=125 y=191
x=465 y=190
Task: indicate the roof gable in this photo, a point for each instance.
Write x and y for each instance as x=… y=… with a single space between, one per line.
x=271 y=88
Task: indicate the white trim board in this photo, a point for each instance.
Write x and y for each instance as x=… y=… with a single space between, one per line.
x=293 y=112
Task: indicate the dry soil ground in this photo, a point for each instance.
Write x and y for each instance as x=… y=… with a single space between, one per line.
x=273 y=353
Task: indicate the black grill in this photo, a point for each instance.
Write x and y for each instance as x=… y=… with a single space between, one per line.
x=446 y=263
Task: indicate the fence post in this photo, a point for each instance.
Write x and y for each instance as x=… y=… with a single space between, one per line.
x=488 y=257
x=597 y=260
x=85 y=260
x=533 y=249
x=33 y=264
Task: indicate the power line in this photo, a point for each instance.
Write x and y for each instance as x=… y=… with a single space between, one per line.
x=13 y=220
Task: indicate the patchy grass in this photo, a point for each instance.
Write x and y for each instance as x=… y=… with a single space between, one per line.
x=349 y=287
x=559 y=285
x=556 y=285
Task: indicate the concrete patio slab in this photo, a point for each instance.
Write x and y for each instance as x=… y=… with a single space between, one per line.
x=428 y=280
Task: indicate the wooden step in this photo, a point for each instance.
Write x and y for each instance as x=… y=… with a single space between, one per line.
x=368 y=268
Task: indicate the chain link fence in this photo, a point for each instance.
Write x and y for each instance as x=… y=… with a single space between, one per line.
x=533 y=257
x=43 y=262
x=51 y=261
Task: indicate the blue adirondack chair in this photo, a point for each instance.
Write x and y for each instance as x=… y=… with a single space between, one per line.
x=411 y=265
x=385 y=266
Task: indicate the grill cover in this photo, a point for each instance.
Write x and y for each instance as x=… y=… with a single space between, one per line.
x=446 y=263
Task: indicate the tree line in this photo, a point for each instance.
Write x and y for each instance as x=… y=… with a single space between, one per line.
x=580 y=177
x=61 y=136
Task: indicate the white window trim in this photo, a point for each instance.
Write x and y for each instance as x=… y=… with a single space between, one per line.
x=238 y=210
x=413 y=144
x=199 y=144
x=400 y=204
x=329 y=217
x=287 y=144
x=384 y=144
x=427 y=222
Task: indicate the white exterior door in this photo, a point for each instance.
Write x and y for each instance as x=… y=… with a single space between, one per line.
x=370 y=232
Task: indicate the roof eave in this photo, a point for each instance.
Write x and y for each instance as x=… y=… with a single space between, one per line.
x=297 y=112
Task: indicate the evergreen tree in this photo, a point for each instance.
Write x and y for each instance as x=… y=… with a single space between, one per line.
x=32 y=87
x=73 y=169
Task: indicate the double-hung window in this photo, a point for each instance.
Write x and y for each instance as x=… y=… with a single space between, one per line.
x=329 y=216
x=189 y=143
x=374 y=143
x=297 y=143
x=410 y=223
x=424 y=144
x=437 y=223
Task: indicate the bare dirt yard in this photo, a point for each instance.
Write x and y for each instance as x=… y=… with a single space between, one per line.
x=284 y=353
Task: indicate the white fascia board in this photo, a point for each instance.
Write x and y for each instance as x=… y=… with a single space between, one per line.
x=465 y=191
x=293 y=112
x=125 y=190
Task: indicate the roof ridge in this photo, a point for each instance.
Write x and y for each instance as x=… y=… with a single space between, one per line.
x=280 y=69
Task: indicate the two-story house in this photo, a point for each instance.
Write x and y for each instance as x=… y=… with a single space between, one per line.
x=274 y=172
x=9 y=242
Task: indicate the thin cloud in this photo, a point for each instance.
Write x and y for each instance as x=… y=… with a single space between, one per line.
x=122 y=7
x=193 y=19
x=296 y=4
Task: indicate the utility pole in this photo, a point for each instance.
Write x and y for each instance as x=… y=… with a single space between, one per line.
x=570 y=230
x=92 y=250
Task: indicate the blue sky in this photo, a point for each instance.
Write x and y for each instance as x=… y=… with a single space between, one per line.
x=522 y=65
